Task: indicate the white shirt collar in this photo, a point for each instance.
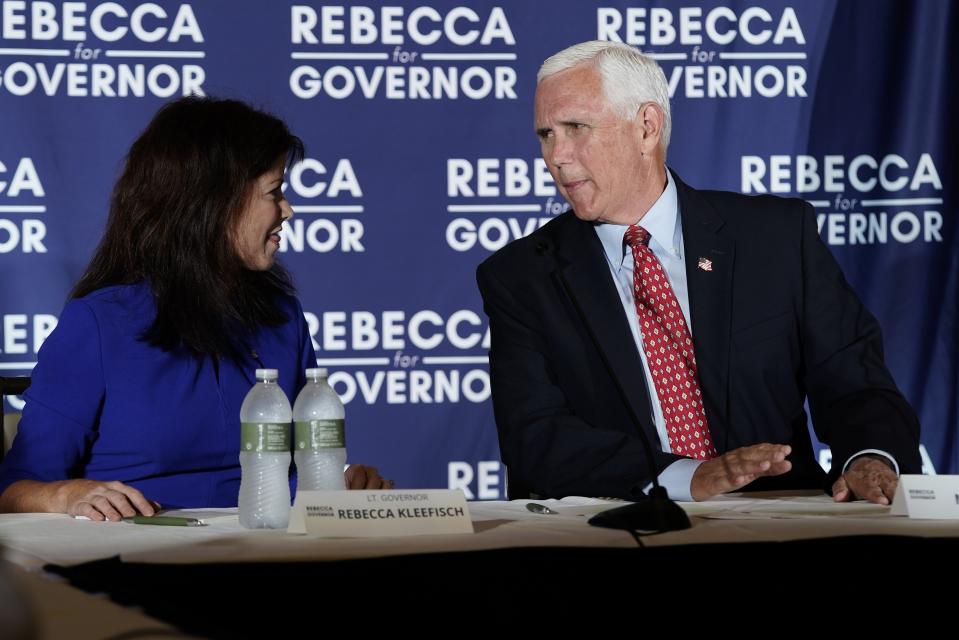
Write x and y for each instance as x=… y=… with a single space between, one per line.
x=662 y=221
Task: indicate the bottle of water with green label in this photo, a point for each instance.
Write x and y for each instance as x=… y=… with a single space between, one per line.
x=265 y=454
x=319 y=440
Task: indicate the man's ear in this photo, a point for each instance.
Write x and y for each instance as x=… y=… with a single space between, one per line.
x=649 y=124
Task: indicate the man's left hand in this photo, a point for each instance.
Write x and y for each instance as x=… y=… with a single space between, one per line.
x=869 y=478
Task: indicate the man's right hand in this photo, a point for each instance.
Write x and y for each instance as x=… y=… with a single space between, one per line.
x=737 y=468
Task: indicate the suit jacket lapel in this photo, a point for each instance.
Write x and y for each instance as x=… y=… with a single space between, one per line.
x=709 y=271
x=580 y=255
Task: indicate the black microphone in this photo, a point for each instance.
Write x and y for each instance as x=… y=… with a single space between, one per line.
x=656 y=512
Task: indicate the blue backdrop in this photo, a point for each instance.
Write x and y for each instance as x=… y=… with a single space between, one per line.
x=417 y=117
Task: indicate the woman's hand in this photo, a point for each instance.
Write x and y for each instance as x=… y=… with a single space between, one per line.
x=361 y=476
x=100 y=500
x=93 y=499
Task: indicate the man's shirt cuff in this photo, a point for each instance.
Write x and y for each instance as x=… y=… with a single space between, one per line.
x=878 y=452
x=677 y=478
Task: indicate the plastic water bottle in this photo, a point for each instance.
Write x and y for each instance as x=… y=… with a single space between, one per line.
x=319 y=437
x=265 y=454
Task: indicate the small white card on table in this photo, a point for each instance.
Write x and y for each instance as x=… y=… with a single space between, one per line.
x=930 y=497
x=372 y=514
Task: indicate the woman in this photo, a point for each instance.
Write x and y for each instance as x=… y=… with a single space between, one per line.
x=135 y=399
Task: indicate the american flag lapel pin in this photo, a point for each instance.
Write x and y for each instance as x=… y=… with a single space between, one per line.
x=705 y=264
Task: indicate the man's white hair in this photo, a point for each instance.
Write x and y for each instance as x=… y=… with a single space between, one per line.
x=629 y=78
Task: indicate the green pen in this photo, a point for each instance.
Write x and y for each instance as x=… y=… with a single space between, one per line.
x=169 y=521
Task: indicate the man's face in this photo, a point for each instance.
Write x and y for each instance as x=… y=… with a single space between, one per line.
x=592 y=152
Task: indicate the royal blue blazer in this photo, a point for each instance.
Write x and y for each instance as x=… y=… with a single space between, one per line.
x=105 y=405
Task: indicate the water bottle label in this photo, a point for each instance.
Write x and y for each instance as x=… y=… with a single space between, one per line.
x=265 y=436
x=320 y=434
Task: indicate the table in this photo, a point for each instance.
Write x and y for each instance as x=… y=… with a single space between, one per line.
x=202 y=579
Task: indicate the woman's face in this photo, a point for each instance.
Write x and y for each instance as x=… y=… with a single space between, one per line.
x=258 y=229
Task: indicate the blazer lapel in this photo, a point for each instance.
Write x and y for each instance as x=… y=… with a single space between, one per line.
x=580 y=256
x=709 y=272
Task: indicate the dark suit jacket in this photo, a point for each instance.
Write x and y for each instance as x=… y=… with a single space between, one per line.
x=774 y=323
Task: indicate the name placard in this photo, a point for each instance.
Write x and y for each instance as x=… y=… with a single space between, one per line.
x=930 y=497
x=372 y=514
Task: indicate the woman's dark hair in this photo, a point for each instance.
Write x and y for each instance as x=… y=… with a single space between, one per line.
x=173 y=216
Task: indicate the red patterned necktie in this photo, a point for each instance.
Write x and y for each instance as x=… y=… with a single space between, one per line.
x=669 y=352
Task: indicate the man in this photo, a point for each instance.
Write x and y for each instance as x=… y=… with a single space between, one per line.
x=718 y=314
